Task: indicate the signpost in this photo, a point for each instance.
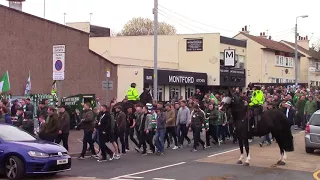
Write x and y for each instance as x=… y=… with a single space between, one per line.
x=58 y=66
x=107 y=85
x=229 y=61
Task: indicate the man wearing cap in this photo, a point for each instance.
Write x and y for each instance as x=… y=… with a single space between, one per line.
x=257 y=101
x=64 y=119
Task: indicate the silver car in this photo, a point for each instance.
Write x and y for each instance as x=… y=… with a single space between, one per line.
x=312 y=136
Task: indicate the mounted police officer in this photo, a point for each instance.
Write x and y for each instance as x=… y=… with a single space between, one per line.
x=256 y=106
x=132 y=94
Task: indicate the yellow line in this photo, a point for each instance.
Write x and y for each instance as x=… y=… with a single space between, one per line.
x=316 y=175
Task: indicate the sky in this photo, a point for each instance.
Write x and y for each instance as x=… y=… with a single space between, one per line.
x=274 y=17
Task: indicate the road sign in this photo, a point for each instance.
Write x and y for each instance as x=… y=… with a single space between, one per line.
x=58 y=76
x=59 y=48
x=104 y=85
x=58 y=62
x=108 y=74
x=110 y=85
x=229 y=57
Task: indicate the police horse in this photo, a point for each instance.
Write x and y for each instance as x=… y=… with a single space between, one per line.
x=271 y=121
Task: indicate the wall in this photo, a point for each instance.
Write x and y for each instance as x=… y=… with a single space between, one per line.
x=206 y=61
x=255 y=67
x=82 y=26
x=26 y=45
x=126 y=76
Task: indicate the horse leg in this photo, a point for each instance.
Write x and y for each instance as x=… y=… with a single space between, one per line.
x=246 y=145
x=283 y=155
x=240 y=141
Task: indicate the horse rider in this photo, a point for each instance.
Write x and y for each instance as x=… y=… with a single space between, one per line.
x=132 y=94
x=256 y=106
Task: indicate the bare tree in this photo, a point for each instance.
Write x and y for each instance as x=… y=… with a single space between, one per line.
x=144 y=26
x=316 y=45
x=113 y=33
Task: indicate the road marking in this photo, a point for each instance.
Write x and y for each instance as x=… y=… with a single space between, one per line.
x=162 y=179
x=316 y=175
x=224 y=152
x=150 y=170
x=133 y=177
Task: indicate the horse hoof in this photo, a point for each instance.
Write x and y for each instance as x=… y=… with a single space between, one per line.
x=278 y=163
x=246 y=164
x=282 y=163
x=239 y=162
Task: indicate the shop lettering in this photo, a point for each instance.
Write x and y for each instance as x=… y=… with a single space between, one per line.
x=181 y=79
x=149 y=77
x=200 y=80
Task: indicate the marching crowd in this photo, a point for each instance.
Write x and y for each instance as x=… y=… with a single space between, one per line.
x=156 y=125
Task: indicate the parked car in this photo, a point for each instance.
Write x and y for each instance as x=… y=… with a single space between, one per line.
x=22 y=154
x=312 y=136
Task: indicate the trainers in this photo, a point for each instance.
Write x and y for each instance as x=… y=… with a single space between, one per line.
x=249 y=140
x=175 y=147
x=102 y=160
x=150 y=152
x=112 y=157
x=260 y=144
x=127 y=150
x=80 y=158
x=137 y=149
x=117 y=156
x=95 y=156
x=181 y=146
x=144 y=154
x=193 y=150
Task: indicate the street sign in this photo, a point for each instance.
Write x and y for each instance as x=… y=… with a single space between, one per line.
x=229 y=57
x=108 y=74
x=59 y=48
x=58 y=62
x=58 y=76
x=104 y=85
x=110 y=85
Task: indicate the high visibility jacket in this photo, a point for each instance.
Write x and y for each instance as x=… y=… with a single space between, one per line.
x=132 y=94
x=257 y=98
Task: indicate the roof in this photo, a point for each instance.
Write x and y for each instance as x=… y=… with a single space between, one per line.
x=299 y=47
x=98 y=31
x=101 y=56
x=315 y=54
x=270 y=44
x=234 y=42
x=42 y=19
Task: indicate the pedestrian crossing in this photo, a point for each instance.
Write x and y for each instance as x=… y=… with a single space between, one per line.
x=136 y=178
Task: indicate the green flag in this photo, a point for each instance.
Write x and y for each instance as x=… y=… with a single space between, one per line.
x=5 y=82
x=214 y=98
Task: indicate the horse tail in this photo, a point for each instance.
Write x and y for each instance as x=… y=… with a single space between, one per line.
x=287 y=136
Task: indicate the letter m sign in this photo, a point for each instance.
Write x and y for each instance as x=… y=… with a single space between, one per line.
x=229 y=57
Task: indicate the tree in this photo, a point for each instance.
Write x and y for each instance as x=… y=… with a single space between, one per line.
x=144 y=26
x=316 y=45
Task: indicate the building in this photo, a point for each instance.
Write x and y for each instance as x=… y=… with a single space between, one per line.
x=27 y=45
x=186 y=62
x=269 y=61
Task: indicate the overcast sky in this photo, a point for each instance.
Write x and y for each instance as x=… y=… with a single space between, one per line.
x=277 y=17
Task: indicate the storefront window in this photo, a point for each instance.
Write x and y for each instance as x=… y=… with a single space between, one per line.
x=189 y=92
x=174 y=93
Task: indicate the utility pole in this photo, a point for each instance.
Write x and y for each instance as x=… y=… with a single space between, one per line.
x=155 y=55
x=64 y=18
x=44 y=9
x=90 y=17
x=296 y=49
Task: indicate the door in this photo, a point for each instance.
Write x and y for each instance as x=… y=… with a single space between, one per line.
x=160 y=92
x=190 y=90
x=174 y=92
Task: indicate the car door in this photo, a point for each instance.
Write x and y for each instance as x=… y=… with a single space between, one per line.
x=314 y=124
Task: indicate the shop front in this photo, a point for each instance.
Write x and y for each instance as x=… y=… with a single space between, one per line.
x=237 y=77
x=175 y=84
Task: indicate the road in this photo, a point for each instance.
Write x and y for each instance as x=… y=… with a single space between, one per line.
x=215 y=163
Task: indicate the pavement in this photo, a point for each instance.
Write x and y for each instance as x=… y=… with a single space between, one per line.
x=215 y=163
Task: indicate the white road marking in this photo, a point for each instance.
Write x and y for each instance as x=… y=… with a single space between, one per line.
x=132 y=177
x=162 y=179
x=224 y=152
x=150 y=170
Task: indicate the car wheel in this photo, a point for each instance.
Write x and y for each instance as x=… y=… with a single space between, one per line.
x=309 y=150
x=14 y=168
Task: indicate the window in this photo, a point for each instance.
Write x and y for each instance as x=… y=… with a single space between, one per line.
x=221 y=55
x=317 y=66
x=10 y=133
x=284 y=61
x=315 y=120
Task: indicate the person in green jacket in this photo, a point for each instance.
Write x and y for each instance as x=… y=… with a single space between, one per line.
x=309 y=108
x=212 y=114
x=300 y=111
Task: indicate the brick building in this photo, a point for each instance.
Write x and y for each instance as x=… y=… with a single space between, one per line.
x=26 y=45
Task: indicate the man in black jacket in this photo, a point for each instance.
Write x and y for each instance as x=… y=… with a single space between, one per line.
x=104 y=129
x=64 y=119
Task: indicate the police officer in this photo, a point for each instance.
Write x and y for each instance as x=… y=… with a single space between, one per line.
x=132 y=94
x=256 y=106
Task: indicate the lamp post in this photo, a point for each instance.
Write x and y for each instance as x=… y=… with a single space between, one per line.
x=155 y=51
x=296 y=48
x=64 y=18
x=90 y=17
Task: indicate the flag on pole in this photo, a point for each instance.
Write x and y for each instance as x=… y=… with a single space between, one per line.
x=28 y=85
x=5 y=82
x=212 y=97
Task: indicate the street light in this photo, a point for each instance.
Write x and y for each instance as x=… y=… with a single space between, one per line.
x=296 y=47
x=90 y=17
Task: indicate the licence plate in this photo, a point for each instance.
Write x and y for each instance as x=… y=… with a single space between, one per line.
x=62 y=161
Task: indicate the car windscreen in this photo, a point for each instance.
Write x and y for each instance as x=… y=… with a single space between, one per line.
x=11 y=133
x=315 y=120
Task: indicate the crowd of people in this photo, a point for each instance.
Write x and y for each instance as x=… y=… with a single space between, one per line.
x=153 y=127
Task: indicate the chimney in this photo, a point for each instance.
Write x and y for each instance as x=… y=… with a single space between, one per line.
x=16 y=4
x=245 y=30
x=270 y=38
x=263 y=35
x=303 y=42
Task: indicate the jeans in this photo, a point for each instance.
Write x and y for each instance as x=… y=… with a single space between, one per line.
x=182 y=128
x=87 y=138
x=213 y=131
x=159 y=139
x=266 y=138
x=196 y=137
x=103 y=147
x=222 y=132
x=130 y=133
x=64 y=138
x=144 y=139
x=120 y=134
x=96 y=136
x=171 y=131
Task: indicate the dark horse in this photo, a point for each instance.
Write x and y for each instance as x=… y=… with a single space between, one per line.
x=272 y=121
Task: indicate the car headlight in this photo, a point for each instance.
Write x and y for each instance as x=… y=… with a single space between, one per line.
x=38 y=154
